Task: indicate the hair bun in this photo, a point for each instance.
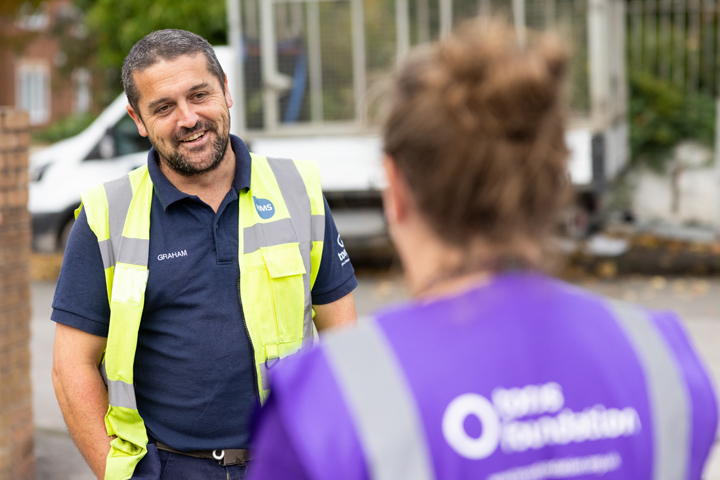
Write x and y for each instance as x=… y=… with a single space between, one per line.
x=477 y=129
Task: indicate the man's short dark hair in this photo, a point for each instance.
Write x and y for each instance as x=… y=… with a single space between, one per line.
x=165 y=45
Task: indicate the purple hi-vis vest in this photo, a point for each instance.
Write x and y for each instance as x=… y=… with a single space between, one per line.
x=526 y=378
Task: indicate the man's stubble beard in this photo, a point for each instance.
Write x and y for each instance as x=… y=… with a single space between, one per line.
x=181 y=163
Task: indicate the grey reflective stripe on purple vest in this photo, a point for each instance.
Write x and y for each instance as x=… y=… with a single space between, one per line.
x=667 y=393
x=380 y=402
x=125 y=250
x=297 y=201
x=389 y=425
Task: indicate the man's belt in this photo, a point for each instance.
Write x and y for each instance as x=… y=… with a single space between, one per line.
x=232 y=456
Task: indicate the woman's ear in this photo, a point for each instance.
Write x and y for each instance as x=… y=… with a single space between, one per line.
x=395 y=193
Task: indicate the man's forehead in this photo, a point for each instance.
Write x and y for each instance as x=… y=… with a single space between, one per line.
x=191 y=68
x=167 y=67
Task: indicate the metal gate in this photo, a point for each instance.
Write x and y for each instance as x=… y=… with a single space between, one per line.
x=677 y=41
x=322 y=66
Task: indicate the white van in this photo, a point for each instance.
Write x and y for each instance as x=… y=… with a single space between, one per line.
x=109 y=148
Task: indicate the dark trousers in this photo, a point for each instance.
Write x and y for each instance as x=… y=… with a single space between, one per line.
x=162 y=465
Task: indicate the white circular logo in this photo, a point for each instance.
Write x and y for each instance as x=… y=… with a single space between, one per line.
x=340 y=242
x=454 y=430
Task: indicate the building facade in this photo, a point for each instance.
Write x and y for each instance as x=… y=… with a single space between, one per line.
x=34 y=72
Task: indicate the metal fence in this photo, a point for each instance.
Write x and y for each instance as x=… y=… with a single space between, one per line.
x=677 y=41
x=318 y=66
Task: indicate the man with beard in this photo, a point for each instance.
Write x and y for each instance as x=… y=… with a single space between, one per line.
x=186 y=280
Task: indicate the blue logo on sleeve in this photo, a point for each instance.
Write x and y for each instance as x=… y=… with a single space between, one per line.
x=264 y=207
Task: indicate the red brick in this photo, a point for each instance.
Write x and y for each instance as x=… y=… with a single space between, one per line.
x=17 y=263
x=12 y=237
x=22 y=179
x=10 y=198
x=14 y=338
x=22 y=140
x=10 y=318
x=18 y=198
x=16 y=424
x=19 y=159
x=14 y=119
x=7 y=141
x=15 y=217
x=14 y=297
x=14 y=256
x=13 y=274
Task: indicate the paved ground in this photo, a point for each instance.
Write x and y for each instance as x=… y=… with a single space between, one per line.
x=696 y=299
x=57 y=457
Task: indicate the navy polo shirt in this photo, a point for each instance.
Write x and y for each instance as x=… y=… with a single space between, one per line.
x=194 y=372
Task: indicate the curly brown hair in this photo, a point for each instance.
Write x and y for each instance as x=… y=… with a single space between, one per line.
x=476 y=128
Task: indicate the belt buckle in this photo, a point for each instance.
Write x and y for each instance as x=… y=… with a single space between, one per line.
x=231 y=457
x=219 y=457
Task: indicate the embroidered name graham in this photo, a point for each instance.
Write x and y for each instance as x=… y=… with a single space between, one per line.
x=166 y=256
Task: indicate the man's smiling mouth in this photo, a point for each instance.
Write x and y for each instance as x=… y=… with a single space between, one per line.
x=192 y=138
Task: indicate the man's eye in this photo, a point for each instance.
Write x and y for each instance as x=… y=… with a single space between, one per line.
x=162 y=109
x=200 y=96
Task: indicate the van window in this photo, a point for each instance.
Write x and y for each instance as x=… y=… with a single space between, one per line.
x=127 y=138
x=122 y=139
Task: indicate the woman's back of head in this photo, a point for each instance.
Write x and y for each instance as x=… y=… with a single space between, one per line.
x=477 y=130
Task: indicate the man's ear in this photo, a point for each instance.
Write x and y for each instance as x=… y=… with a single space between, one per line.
x=228 y=97
x=138 y=121
x=396 y=194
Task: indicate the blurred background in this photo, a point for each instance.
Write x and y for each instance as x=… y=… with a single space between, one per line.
x=310 y=80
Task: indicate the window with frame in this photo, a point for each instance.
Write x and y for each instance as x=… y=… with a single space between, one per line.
x=83 y=96
x=33 y=91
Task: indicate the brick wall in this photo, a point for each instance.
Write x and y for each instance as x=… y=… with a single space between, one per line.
x=17 y=460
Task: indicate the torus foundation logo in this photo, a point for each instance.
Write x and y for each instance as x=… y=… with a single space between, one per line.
x=500 y=424
x=264 y=207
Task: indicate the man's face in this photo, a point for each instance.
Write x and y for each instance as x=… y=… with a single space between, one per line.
x=184 y=112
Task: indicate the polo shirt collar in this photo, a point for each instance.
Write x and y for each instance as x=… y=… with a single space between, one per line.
x=168 y=193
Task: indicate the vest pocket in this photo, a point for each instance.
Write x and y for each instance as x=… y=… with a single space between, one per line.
x=279 y=293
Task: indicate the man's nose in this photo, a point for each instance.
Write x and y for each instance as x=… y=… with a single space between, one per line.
x=186 y=115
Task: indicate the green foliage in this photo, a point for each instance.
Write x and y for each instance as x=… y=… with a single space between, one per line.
x=117 y=26
x=661 y=116
x=64 y=128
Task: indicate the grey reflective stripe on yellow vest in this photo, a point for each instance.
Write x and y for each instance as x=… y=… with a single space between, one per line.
x=298 y=202
x=133 y=251
x=667 y=392
x=120 y=394
x=279 y=259
x=121 y=249
x=389 y=424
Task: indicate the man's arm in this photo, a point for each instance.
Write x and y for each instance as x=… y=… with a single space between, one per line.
x=81 y=392
x=337 y=313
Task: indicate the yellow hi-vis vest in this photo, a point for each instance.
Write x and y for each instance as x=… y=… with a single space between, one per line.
x=279 y=260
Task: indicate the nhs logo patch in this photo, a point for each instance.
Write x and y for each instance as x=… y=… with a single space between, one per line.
x=264 y=207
